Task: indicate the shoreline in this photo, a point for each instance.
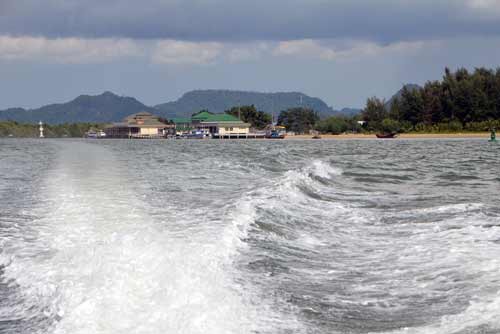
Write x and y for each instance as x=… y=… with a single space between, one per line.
x=459 y=135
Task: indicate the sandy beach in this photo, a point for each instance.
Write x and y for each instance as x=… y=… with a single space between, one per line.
x=401 y=136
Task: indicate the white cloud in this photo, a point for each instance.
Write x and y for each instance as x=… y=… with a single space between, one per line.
x=484 y=4
x=303 y=47
x=329 y=50
x=66 y=50
x=484 y=8
x=251 y=52
x=185 y=53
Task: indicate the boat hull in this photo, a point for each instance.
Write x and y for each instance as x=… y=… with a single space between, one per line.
x=386 y=135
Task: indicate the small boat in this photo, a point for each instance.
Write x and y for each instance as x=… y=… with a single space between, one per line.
x=92 y=134
x=275 y=132
x=386 y=135
x=316 y=137
x=198 y=134
x=275 y=135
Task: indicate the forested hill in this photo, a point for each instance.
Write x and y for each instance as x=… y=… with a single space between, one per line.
x=222 y=100
x=103 y=108
x=109 y=107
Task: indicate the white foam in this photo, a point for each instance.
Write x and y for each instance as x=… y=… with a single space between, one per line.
x=324 y=170
x=449 y=208
x=476 y=316
x=110 y=268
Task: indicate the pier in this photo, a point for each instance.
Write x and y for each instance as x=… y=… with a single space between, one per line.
x=239 y=136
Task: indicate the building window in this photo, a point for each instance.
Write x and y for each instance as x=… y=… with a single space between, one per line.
x=230 y=129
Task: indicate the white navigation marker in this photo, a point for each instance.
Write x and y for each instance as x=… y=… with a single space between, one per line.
x=41 y=129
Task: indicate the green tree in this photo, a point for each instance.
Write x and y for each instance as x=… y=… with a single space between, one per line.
x=374 y=112
x=432 y=108
x=395 y=109
x=390 y=125
x=334 y=125
x=249 y=114
x=411 y=106
x=298 y=120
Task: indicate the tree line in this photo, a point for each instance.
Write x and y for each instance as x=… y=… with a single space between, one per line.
x=460 y=101
x=299 y=120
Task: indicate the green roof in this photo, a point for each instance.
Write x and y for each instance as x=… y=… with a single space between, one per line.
x=181 y=120
x=205 y=116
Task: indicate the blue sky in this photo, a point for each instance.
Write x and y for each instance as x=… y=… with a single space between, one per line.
x=342 y=51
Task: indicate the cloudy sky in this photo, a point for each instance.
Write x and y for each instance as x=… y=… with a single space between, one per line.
x=342 y=51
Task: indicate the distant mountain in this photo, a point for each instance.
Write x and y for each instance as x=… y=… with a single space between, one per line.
x=107 y=107
x=410 y=87
x=221 y=100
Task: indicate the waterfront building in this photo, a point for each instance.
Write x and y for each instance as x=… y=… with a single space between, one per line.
x=182 y=126
x=219 y=124
x=139 y=125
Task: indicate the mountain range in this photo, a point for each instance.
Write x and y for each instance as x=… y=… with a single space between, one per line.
x=103 y=108
x=109 y=107
x=221 y=100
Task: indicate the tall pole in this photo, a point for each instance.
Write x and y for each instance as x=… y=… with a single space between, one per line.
x=272 y=114
x=41 y=129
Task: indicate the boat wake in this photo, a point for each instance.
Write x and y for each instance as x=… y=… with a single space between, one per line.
x=428 y=270
x=122 y=237
x=96 y=262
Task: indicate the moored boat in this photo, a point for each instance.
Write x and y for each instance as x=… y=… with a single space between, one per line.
x=276 y=132
x=93 y=134
x=386 y=135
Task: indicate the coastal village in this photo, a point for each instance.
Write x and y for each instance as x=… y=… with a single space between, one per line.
x=202 y=125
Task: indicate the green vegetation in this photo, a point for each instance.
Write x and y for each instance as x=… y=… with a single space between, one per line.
x=461 y=101
x=298 y=120
x=249 y=114
x=338 y=124
x=15 y=129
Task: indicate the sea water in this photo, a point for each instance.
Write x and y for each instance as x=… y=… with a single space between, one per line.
x=185 y=236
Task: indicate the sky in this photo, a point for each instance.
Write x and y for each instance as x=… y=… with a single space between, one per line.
x=342 y=51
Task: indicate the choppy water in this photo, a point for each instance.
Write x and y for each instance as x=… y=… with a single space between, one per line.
x=249 y=236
